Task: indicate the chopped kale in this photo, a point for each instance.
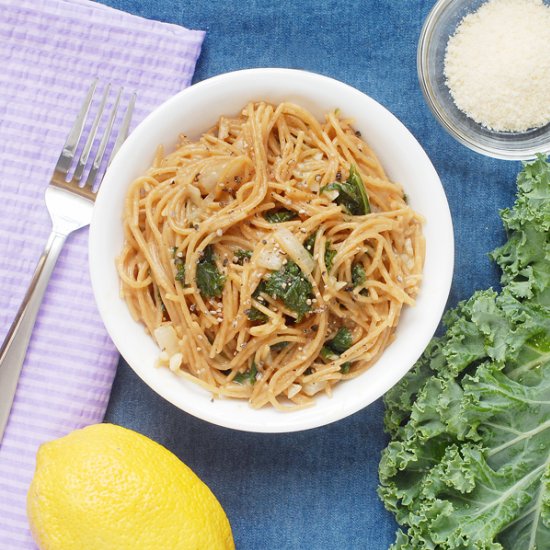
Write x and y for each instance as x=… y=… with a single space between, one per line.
x=180 y=266
x=309 y=243
x=327 y=354
x=352 y=194
x=258 y=291
x=341 y=342
x=209 y=279
x=329 y=255
x=358 y=275
x=179 y=262
x=247 y=376
x=256 y=315
x=334 y=347
x=159 y=298
x=291 y=286
x=358 y=278
x=242 y=255
x=345 y=367
x=279 y=215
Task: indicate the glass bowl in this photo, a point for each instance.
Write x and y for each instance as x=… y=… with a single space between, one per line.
x=440 y=24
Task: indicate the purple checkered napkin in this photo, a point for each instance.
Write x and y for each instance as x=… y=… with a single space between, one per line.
x=50 y=50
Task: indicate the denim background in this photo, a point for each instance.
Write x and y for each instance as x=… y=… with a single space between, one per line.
x=316 y=490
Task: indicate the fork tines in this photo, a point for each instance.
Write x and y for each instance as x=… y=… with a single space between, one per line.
x=93 y=143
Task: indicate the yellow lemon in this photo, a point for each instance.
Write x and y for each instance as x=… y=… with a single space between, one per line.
x=106 y=487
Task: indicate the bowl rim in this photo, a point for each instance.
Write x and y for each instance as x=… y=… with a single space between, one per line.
x=438 y=111
x=288 y=422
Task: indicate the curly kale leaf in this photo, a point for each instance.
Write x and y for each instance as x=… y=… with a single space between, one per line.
x=525 y=257
x=468 y=464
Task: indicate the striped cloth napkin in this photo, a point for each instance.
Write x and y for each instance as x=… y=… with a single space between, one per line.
x=50 y=50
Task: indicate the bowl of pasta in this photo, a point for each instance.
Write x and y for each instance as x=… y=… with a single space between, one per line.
x=271 y=250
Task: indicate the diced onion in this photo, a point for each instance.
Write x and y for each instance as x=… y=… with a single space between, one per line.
x=294 y=248
x=270 y=259
x=167 y=339
x=293 y=390
x=175 y=361
x=314 y=387
x=194 y=194
x=332 y=194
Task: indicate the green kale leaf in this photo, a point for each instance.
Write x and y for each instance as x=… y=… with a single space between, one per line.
x=341 y=341
x=309 y=243
x=209 y=279
x=291 y=286
x=242 y=255
x=279 y=215
x=358 y=275
x=179 y=262
x=352 y=194
x=248 y=376
x=468 y=464
x=329 y=255
x=255 y=314
x=337 y=345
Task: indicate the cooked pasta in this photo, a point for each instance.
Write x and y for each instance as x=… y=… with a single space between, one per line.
x=272 y=257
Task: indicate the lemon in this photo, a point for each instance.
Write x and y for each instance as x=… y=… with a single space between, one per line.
x=107 y=487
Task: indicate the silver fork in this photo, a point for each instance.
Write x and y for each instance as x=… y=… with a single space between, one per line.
x=70 y=205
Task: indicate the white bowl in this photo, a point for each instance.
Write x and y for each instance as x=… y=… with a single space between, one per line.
x=192 y=112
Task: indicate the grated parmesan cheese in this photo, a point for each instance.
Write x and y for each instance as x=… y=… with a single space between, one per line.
x=497 y=65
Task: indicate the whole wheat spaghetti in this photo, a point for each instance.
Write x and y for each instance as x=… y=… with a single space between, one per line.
x=271 y=258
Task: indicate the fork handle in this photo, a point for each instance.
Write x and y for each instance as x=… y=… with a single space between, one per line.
x=14 y=348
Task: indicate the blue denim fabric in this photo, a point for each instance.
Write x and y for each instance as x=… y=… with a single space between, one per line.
x=316 y=490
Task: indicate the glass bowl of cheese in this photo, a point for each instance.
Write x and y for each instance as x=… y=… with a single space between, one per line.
x=484 y=70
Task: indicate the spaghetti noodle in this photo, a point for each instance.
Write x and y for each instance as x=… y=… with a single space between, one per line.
x=271 y=258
